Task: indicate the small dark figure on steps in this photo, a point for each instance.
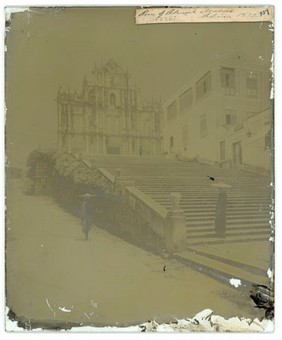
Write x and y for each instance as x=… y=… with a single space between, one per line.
x=220 y=213
x=140 y=150
x=211 y=178
x=220 y=209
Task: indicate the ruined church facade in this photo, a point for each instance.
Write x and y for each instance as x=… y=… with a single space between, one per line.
x=108 y=117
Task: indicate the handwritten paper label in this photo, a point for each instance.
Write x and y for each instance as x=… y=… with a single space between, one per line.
x=204 y=14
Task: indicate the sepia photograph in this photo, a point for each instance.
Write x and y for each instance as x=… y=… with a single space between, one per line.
x=139 y=169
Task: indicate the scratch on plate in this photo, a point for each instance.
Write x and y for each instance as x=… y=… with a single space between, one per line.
x=235 y=282
x=270 y=274
x=272 y=68
x=48 y=304
x=94 y=304
x=86 y=315
x=64 y=309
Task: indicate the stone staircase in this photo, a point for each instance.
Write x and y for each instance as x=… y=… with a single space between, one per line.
x=249 y=196
x=245 y=254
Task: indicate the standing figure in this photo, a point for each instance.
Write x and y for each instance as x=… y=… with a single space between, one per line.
x=220 y=213
x=86 y=216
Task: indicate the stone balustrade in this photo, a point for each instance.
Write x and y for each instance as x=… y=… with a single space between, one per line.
x=120 y=207
x=146 y=221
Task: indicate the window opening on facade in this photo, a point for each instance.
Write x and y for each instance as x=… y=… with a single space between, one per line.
x=203 y=86
x=172 y=111
x=251 y=84
x=228 y=81
x=230 y=117
x=185 y=100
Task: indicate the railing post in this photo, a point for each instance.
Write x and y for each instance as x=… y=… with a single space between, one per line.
x=175 y=236
x=118 y=181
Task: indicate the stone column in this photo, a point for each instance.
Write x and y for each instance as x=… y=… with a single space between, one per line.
x=175 y=236
x=154 y=146
x=69 y=141
x=86 y=130
x=96 y=143
x=60 y=128
x=87 y=144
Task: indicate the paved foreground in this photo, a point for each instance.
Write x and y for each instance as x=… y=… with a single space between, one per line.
x=54 y=275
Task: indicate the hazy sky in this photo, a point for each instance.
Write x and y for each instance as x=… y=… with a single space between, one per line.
x=51 y=47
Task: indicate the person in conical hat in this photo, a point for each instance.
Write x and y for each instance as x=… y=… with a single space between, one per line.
x=86 y=213
x=86 y=195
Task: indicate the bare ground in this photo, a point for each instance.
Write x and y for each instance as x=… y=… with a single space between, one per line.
x=54 y=275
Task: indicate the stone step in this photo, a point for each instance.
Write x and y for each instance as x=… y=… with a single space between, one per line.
x=252 y=261
x=210 y=223
x=189 y=196
x=167 y=181
x=220 y=270
x=231 y=240
x=229 y=234
x=233 y=219
x=198 y=178
x=202 y=196
x=189 y=186
x=229 y=222
x=203 y=207
x=229 y=213
x=209 y=204
x=199 y=204
x=210 y=229
x=230 y=209
x=248 y=203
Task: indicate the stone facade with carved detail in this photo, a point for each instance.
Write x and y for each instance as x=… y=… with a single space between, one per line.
x=107 y=116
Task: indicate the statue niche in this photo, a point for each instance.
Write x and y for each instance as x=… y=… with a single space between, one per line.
x=112 y=100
